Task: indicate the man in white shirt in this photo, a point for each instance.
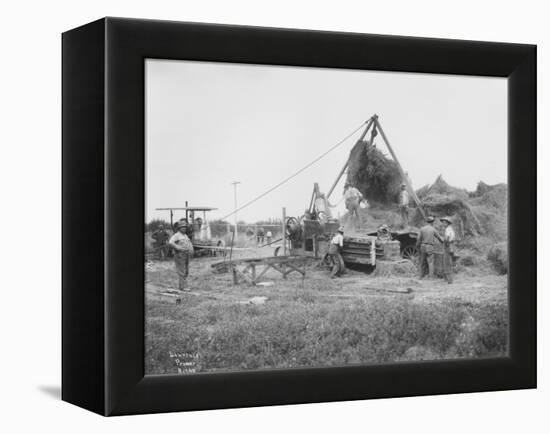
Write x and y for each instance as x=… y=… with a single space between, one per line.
x=448 y=248
x=334 y=250
x=353 y=198
x=183 y=248
x=404 y=205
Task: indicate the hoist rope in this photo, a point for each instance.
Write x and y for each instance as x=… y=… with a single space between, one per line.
x=332 y=148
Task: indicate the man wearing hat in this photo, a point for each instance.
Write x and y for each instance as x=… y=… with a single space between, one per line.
x=448 y=248
x=334 y=249
x=425 y=244
x=161 y=238
x=183 y=248
x=353 y=198
x=404 y=205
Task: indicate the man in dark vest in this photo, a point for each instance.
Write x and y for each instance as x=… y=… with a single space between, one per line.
x=426 y=245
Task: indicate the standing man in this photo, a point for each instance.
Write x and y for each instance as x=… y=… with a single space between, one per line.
x=448 y=248
x=334 y=250
x=353 y=198
x=260 y=235
x=161 y=238
x=425 y=244
x=183 y=248
x=404 y=205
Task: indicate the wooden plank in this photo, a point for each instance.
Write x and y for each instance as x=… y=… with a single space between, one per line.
x=278 y=268
x=365 y=260
x=294 y=268
x=362 y=250
x=244 y=276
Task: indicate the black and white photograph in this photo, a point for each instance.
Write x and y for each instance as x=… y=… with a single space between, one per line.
x=278 y=217
x=315 y=217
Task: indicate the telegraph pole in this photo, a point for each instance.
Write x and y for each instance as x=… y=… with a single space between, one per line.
x=235 y=183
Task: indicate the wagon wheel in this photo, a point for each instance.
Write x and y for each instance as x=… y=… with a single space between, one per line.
x=276 y=252
x=410 y=252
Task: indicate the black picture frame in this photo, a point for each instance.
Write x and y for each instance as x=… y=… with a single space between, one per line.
x=103 y=208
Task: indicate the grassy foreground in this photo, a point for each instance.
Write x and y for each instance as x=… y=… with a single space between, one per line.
x=308 y=329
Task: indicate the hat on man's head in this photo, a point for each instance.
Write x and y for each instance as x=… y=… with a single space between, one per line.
x=341 y=229
x=182 y=222
x=430 y=219
x=447 y=219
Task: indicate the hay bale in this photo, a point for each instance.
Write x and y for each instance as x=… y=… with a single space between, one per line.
x=404 y=268
x=498 y=257
x=375 y=175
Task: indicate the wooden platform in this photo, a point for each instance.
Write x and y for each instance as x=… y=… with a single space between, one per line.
x=247 y=269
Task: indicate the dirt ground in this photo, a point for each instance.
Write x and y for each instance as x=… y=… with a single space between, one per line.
x=474 y=284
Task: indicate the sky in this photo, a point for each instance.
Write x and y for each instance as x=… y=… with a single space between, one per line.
x=209 y=124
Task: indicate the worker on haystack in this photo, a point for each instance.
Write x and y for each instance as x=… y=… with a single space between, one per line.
x=404 y=205
x=353 y=198
x=334 y=250
x=160 y=244
x=448 y=248
x=426 y=246
x=183 y=248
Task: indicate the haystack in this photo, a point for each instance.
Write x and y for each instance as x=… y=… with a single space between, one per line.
x=498 y=256
x=466 y=222
x=490 y=204
x=375 y=175
x=440 y=186
x=482 y=212
x=441 y=199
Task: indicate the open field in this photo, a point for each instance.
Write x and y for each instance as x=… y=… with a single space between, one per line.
x=316 y=321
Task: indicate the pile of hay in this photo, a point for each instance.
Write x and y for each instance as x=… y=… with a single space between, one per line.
x=482 y=212
x=375 y=175
x=440 y=186
x=490 y=203
x=403 y=268
x=498 y=256
x=466 y=222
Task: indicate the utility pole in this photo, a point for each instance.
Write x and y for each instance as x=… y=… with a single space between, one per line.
x=235 y=183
